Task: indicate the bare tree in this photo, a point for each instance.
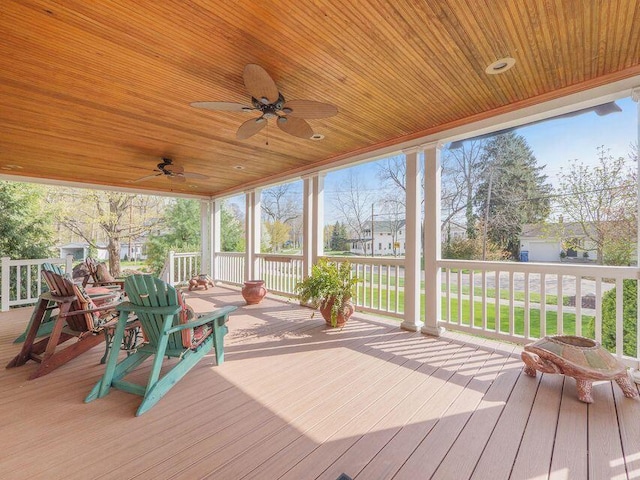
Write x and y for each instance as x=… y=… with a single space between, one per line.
x=279 y=207
x=117 y=215
x=602 y=200
x=354 y=205
x=460 y=173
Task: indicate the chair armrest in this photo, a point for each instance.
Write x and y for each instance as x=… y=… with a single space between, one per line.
x=110 y=306
x=207 y=318
x=130 y=307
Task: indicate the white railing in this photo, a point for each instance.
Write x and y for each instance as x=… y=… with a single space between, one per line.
x=281 y=273
x=230 y=267
x=522 y=302
x=180 y=267
x=381 y=285
x=21 y=280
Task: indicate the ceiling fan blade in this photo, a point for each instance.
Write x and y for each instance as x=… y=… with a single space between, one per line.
x=194 y=175
x=260 y=84
x=309 y=109
x=222 y=106
x=147 y=177
x=250 y=128
x=174 y=168
x=295 y=126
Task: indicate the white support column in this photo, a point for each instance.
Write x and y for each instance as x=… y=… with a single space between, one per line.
x=257 y=232
x=307 y=224
x=205 y=237
x=412 y=288
x=432 y=240
x=317 y=227
x=216 y=232
x=635 y=95
x=249 y=236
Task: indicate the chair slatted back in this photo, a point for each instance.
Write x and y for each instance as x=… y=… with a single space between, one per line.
x=62 y=286
x=149 y=291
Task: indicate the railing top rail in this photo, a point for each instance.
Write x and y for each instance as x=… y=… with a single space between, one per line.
x=552 y=268
x=230 y=254
x=36 y=261
x=392 y=261
x=278 y=257
x=186 y=254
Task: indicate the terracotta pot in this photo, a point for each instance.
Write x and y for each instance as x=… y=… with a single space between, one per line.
x=253 y=291
x=343 y=316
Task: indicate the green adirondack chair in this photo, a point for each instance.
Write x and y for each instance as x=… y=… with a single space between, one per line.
x=169 y=331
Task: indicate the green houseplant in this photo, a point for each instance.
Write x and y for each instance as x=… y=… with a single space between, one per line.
x=329 y=288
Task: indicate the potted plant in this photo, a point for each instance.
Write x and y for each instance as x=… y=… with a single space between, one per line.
x=329 y=288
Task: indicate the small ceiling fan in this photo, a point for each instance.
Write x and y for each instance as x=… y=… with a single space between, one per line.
x=266 y=99
x=174 y=172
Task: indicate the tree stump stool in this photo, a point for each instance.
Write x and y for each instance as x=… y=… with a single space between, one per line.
x=201 y=280
x=578 y=357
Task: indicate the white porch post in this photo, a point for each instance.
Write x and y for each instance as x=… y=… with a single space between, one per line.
x=307 y=225
x=432 y=240
x=216 y=239
x=412 y=288
x=253 y=221
x=317 y=227
x=249 y=236
x=205 y=237
x=635 y=95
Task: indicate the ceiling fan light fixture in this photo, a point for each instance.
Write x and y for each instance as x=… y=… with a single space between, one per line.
x=500 y=66
x=282 y=119
x=286 y=111
x=260 y=119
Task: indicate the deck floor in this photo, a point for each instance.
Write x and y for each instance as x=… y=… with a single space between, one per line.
x=295 y=400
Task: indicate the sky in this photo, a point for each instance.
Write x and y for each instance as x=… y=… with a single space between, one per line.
x=554 y=143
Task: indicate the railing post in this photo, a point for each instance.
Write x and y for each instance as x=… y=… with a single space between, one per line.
x=68 y=264
x=171 y=269
x=432 y=241
x=4 y=290
x=412 y=290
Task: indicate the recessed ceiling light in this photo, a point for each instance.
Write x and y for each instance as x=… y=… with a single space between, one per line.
x=12 y=167
x=238 y=167
x=317 y=136
x=501 y=65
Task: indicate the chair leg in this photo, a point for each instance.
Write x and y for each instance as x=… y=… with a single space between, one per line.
x=51 y=362
x=218 y=341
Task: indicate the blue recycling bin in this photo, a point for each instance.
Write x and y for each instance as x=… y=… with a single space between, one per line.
x=524 y=255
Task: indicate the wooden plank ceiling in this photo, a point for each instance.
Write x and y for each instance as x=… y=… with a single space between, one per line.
x=98 y=92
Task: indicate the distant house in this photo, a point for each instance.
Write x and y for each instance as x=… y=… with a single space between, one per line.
x=80 y=250
x=545 y=242
x=388 y=238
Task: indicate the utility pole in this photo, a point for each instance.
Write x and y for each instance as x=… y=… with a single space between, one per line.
x=373 y=248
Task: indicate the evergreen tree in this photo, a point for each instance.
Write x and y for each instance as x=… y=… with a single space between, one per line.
x=512 y=192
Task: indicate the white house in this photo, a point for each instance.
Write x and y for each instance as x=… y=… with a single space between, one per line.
x=388 y=239
x=545 y=242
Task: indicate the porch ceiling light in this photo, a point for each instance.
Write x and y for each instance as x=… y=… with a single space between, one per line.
x=317 y=136
x=238 y=167
x=500 y=66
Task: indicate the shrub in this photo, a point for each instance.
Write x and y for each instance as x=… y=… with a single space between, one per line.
x=629 y=315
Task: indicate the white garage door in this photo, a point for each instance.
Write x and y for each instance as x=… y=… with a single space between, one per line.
x=544 y=252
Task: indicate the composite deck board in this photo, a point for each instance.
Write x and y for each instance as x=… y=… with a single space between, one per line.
x=536 y=448
x=570 y=446
x=295 y=400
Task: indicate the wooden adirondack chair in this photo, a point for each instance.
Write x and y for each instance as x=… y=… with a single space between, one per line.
x=98 y=294
x=101 y=276
x=78 y=317
x=169 y=331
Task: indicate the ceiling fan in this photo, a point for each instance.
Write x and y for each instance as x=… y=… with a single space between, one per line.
x=266 y=99
x=174 y=172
